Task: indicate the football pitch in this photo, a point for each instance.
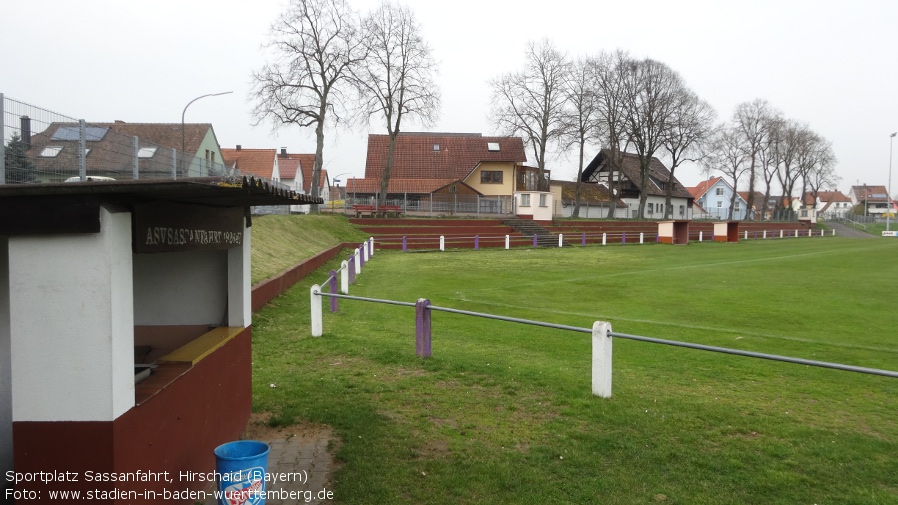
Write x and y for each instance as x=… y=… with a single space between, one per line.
x=503 y=412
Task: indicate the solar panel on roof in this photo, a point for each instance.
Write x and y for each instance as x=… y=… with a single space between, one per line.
x=73 y=133
x=877 y=195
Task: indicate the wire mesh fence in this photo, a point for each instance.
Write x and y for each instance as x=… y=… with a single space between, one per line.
x=42 y=146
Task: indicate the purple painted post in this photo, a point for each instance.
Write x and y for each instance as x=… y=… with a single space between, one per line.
x=404 y=243
x=583 y=239
x=623 y=238
x=333 y=289
x=422 y=328
x=534 y=240
x=352 y=268
x=756 y=233
x=476 y=242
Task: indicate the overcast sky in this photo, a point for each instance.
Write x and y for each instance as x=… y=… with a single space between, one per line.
x=830 y=64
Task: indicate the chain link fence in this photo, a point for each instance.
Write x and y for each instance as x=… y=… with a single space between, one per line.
x=42 y=146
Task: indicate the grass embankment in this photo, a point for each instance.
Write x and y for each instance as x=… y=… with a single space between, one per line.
x=280 y=242
x=503 y=413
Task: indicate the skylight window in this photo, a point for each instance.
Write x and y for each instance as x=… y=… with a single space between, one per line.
x=492 y=146
x=436 y=147
x=146 y=152
x=73 y=133
x=50 y=151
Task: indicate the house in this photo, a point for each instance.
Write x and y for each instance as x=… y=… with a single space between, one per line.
x=714 y=197
x=123 y=150
x=872 y=199
x=259 y=163
x=595 y=200
x=447 y=172
x=624 y=182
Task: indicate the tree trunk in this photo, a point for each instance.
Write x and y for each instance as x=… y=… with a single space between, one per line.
x=388 y=168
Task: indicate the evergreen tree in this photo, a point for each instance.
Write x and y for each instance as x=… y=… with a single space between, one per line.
x=19 y=169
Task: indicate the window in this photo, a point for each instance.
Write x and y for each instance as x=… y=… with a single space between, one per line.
x=525 y=200
x=719 y=204
x=146 y=152
x=492 y=146
x=736 y=206
x=660 y=208
x=542 y=200
x=50 y=151
x=436 y=147
x=719 y=192
x=682 y=210
x=491 y=177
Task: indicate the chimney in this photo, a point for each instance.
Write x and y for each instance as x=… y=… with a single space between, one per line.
x=25 y=125
x=238 y=147
x=283 y=152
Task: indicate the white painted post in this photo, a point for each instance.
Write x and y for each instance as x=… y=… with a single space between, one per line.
x=365 y=251
x=699 y=236
x=507 y=242
x=371 y=245
x=765 y=233
x=344 y=277
x=796 y=234
x=746 y=234
x=560 y=239
x=604 y=238
x=315 y=293
x=781 y=233
x=641 y=237
x=834 y=232
x=358 y=261
x=601 y=359
x=442 y=243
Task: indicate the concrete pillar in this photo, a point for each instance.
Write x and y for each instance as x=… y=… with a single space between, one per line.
x=601 y=359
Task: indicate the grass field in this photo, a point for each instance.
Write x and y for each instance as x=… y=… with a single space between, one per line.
x=503 y=413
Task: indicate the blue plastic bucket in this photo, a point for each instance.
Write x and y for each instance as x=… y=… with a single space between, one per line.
x=241 y=468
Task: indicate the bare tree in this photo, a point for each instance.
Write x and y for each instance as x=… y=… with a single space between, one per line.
x=315 y=43
x=583 y=123
x=691 y=125
x=397 y=79
x=791 y=138
x=727 y=154
x=611 y=79
x=530 y=103
x=768 y=157
x=650 y=106
x=754 y=120
x=817 y=164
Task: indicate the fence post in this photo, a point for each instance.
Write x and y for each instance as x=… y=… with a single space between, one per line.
x=623 y=237
x=315 y=293
x=442 y=243
x=174 y=163
x=641 y=237
x=358 y=261
x=371 y=246
x=422 y=328
x=507 y=240
x=404 y=243
x=344 y=277
x=601 y=359
x=765 y=234
x=534 y=240
x=477 y=241
x=700 y=236
x=351 y=269
x=2 y=142
x=333 y=289
x=561 y=240
x=135 y=169
x=583 y=239
x=746 y=235
x=781 y=233
x=365 y=255
x=604 y=238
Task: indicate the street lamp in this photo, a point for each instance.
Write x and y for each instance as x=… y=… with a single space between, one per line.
x=183 y=146
x=889 y=192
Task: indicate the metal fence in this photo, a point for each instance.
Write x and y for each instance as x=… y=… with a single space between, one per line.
x=42 y=146
x=440 y=204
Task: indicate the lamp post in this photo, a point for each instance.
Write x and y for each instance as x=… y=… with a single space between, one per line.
x=337 y=182
x=183 y=142
x=889 y=192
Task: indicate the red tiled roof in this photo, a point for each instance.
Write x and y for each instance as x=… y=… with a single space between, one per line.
x=703 y=187
x=258 y=162
x=440 y=156
x=288 y=167
x=870 y=193
x=418 y=186
x=832 y=196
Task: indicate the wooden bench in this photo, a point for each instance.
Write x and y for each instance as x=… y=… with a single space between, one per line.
x=373 y=210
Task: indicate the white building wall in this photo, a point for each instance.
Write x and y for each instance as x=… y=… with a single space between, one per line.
x=239 y=279
x=72 y=323
x=5 y=364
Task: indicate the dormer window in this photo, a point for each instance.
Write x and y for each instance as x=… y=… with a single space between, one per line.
x=436 y=147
